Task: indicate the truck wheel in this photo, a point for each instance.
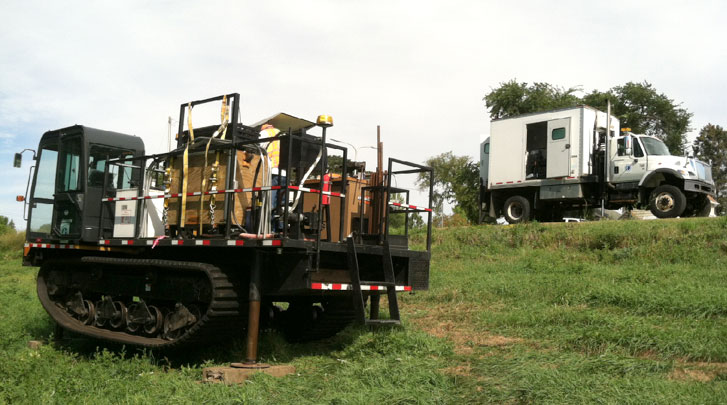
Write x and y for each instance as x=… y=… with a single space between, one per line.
x=702 y=206
x=667 y=201
x=516 y=209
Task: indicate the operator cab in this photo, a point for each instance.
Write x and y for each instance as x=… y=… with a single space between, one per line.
x=69 y=180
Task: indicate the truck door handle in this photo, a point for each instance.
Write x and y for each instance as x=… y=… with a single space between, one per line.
x=567 y=146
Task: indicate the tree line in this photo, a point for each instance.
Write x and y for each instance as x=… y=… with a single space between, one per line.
x=638 y=106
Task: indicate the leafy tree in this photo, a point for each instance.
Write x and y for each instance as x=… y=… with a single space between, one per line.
x=456 y=181
x=710 y=146
x=637 y=105
x=396 y=221
x=6 y=225
x=640 y=107
x=513 y=98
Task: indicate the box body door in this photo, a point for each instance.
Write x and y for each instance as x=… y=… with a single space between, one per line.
x=559 y=143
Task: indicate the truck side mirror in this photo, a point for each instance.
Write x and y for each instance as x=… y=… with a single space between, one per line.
x=18 y=161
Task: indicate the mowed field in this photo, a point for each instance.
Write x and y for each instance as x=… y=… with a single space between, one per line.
x=607 y=312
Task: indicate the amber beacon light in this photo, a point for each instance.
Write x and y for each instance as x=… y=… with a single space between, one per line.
x=324 y=121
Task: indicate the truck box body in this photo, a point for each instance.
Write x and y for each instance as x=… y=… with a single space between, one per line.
x=556 y=145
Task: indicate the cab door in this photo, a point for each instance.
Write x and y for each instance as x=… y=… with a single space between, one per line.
x=629 y=164
x=69 y=197
x=558 y=162
x=40 y=217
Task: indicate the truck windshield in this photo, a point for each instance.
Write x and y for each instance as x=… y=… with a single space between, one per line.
x=654 y=146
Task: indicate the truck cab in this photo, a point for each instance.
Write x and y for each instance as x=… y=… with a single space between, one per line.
x=644 y=162
x=69 y=180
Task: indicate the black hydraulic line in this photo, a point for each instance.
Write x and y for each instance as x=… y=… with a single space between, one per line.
x=429 y=213
x=344 y=199
x=103 y=194
x=323 y=165
x=288 y=174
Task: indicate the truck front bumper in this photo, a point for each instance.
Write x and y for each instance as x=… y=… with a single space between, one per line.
x=698 y=186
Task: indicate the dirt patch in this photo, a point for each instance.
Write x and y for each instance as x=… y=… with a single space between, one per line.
x=438 y=321
x=698 y=371
x=463 y=370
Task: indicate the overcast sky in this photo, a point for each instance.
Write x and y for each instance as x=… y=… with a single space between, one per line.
x=417 y=68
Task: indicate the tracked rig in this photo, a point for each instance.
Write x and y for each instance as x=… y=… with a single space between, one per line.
x=229 y=232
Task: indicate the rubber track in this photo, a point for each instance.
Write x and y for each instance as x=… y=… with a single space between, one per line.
x=217 y=322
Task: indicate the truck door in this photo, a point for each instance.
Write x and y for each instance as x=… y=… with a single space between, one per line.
x=558 y=162
x=629 y=164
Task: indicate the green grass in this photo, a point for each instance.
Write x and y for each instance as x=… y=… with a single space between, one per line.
x=610 y=312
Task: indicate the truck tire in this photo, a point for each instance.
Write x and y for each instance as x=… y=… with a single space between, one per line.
x=516 y=209
x=667 y=201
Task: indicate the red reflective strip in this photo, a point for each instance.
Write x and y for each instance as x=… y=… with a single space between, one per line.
x=239 y=243
x=294 y=187
x=130 y=242
x=180 y=242
x=174 y=195
x=256 y=188
x=499 y=182
x=206 y=242
x=336 y=287
x=407 y=288
x=277 y=242
x=316 y=286
x=374 y=288
x=509 y=182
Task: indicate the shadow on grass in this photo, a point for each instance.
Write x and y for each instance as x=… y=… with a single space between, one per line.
x=273 y=348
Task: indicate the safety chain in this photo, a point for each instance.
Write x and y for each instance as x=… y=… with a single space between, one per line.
x=213 y=187
x=167 y=190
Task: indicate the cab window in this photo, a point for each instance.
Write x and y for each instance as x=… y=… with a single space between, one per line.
x=117 y=177
x=638 y=150
x=69 y=169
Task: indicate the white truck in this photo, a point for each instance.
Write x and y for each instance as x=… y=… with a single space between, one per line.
x=540 y=165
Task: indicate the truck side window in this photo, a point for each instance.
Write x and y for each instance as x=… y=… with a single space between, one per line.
x=487 y=149
x=638 y=151
x=621 y=146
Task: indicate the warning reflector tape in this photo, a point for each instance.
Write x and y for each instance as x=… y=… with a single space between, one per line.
x=177 y=242
x=312 y=190
x=50 y=246
x=236 y=190
x=413 y=207
x=402 y=205
x=192 y=194
x=344 y=287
